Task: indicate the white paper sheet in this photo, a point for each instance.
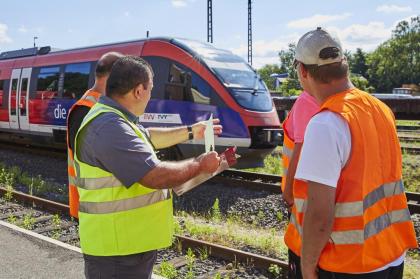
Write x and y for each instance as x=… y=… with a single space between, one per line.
x=209 y=135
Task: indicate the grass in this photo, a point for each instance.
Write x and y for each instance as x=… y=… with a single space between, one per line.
x=411 y=172
x=11 y=177
x=272 y=164
x=411 y=268
x=233 y=233
x=408 y=122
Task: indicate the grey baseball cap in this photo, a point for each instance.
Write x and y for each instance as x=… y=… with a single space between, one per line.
x=318 y=47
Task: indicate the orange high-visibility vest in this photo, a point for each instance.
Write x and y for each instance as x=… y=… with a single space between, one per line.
x=372 y=225
x=292 y=240
x=288 y=146
x=89 y=99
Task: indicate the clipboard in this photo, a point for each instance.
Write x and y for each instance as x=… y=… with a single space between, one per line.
x=228 y=159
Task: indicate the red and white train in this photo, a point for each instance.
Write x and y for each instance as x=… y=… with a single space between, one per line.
x=192 y=81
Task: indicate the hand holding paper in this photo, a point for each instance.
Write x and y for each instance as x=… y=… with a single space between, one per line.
x=227 y=159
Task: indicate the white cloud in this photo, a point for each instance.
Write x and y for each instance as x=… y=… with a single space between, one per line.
x=315 y=21
x=4 y=38
x=23 y=29
x=367 y=36
x=179 y=3
x=388 y=9
x=126 y=13
x=265 y=52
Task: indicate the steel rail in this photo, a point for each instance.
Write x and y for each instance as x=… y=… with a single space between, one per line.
x=216 y=250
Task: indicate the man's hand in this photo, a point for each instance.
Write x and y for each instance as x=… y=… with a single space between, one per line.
x=288 y=195
x=209 y=162
x=199 y=128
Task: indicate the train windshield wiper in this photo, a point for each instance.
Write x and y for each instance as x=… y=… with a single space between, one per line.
x=255 y=88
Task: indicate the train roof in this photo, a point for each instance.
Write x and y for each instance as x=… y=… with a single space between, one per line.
x=185 y=44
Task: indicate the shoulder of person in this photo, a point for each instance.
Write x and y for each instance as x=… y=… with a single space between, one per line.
x=326 y=117
x=109 y=121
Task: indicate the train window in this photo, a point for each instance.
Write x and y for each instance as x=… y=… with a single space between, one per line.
x=174 y=81
x=160 y=68
x=23 y=91
x=185 y=85
x=76 y=80
x=13 y=96
x=47 y=84
x=178 y=86
x=200 y=90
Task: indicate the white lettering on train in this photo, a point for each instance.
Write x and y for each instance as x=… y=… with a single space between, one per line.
x=161 y=118
x=60 y=112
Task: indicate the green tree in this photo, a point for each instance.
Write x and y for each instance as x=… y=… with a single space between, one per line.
x=361 y=82
x=397 y=61
x=358 y=63
x=286 y=61
x=291 y=86
x=265 y=73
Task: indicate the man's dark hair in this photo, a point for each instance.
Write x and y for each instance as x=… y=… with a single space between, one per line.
x=104 y=65
x=127 y=73
x=329 y=72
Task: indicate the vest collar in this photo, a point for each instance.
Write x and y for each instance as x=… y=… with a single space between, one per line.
x=110 y=102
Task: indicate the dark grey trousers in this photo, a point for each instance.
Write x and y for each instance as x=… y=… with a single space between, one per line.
x=395 y=272
x=138 y=266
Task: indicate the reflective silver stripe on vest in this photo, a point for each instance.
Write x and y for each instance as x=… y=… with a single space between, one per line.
x=386 y=190
x=384 y=221
x=287 y=151
x=91 y=98
x=124 y=205
x=300 y=204
x=98 y=183
x=348 y=209
x=347 y=237
x=352 y=209
x=295 y=223
x=359 y=236
x=72 y=180
x=70 y=161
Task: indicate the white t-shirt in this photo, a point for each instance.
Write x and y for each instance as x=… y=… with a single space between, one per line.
x=326 y=149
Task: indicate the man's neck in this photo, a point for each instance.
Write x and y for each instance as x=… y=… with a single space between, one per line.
x=99 y=86
x=323 y=91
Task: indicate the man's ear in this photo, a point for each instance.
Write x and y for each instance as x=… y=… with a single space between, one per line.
x=303 y=71
x=138 y=91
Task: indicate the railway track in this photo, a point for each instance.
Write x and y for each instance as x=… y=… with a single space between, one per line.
x=271 y=183
x=48 y=227
x=409 y=139
x=407 y=128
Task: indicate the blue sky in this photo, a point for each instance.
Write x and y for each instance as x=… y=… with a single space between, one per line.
x=75 y=23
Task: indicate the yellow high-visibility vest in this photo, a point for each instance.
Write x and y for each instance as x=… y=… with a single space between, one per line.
x=115 y=220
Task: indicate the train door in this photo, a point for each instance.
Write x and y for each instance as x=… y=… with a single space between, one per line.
x=18 y=99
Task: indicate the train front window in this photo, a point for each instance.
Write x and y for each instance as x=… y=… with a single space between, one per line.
x=243 y=82
x=245 y=85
